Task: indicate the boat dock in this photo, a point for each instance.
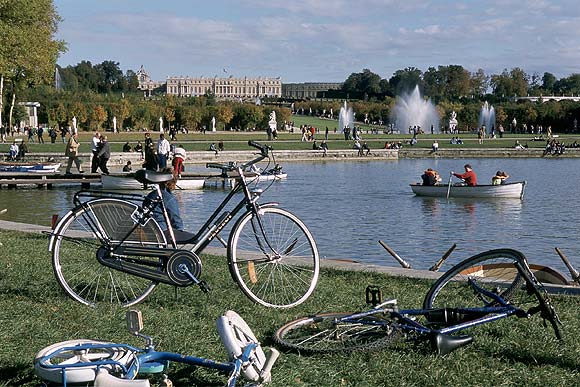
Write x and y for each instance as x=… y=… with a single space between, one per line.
x=48 y=180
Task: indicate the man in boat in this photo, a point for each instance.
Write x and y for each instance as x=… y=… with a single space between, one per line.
x=469 y=176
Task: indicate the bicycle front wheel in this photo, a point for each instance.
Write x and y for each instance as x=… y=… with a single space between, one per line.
x=327 y=333
x=273 y=258
x=76 y=358
x=82 y=233
x=494 y=271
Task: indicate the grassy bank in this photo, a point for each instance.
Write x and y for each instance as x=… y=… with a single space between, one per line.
x=36 y=313
x=291 y=141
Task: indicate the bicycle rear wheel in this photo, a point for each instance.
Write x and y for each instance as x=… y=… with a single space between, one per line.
x=273 y=258
x=78 y=237
x=325 y=333
x=493 y=270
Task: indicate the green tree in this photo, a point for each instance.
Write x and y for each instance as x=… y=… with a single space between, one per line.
x=97 y=117
x=28 y=50
x=548 y=82
x=479 y=83
x=404 y=81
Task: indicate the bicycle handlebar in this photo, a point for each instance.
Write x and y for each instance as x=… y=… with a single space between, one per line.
x=263 y=148
x=264 y=152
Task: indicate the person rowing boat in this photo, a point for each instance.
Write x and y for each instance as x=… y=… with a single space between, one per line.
x=469 y=177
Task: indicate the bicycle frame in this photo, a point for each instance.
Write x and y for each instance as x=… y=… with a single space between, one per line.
x=407 y=323
x=207 y=232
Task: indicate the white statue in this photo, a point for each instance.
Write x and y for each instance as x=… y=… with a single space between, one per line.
x=453 y=122
x=114 y=124
x=161 y=124
x=213 y=124
x=74 y=122
x=272 y=122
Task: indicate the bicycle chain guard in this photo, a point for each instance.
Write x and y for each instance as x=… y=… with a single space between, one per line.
x=178 y=261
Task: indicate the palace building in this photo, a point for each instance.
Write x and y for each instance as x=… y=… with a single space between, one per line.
x=222 y=88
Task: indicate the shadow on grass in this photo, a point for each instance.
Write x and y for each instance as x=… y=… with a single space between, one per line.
x=538 y=359
x=16 y=375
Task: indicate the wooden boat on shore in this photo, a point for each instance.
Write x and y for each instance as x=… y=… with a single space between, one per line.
x=127 y=182
x=513 y=190
x=33 y=167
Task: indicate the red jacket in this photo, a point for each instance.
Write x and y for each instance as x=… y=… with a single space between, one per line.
x=470 y=177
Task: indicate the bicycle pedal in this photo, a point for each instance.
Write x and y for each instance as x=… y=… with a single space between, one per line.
x=204 y=286
x=373 y=295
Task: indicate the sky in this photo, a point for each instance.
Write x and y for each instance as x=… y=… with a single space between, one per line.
x=321 y=40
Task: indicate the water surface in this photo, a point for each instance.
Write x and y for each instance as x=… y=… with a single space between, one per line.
x=349 y=206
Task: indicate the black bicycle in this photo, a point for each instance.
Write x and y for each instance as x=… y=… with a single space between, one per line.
x=109 y=248
x=487 y=287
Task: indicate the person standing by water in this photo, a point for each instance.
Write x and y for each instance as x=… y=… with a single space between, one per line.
x=163 y=149
x=103 y=155
x=469 y=176
x=95 y=145
x=179 y=156
x=72 y=152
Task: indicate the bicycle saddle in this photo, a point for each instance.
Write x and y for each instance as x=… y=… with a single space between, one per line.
x=445 y=344
x=146 y=176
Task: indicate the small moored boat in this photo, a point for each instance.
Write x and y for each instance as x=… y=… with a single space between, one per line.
x=507 y=190
x=39 y=167
x=127 y=182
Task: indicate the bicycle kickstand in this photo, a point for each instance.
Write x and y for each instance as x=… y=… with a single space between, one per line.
x=201 y=283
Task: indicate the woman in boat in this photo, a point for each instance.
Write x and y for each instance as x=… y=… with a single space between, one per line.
x=469 y=176
x=430 y=177
x=499 y=178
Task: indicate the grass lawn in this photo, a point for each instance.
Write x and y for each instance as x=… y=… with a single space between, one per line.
x=197 y=141
x=36 y=313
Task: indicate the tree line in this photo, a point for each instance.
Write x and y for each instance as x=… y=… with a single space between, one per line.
x=455 y=83
x=94 y=94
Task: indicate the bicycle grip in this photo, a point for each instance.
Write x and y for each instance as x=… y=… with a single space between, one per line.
x=266 y=373
x=263 y=148
x=214 y=165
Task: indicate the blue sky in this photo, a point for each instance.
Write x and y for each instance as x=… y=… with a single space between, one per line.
x=321 y=40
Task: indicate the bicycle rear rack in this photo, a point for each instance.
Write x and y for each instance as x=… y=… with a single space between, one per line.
x=85 y=196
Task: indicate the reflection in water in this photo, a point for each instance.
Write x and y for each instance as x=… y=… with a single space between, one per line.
x=349 y=206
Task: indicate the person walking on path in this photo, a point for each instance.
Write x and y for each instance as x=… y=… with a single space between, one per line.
x=103 y=155
x=95 y=145
x=72 y=152
x=163 y=148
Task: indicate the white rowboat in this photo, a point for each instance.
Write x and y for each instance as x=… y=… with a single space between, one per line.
x=128 y=182
x=508 y=190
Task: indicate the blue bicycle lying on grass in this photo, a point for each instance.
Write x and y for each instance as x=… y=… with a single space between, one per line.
x=118 y=365
x=486 y=287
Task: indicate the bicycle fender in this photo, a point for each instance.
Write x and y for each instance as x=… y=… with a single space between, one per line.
x=56 y=231
x=104 y=379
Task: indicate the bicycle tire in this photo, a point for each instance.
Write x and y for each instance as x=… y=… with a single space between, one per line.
x=81 y=233
x=321 y=334
x=78 y=374
x=276 y=268
x=236 y=335
x=493 y=270
x=545 y=307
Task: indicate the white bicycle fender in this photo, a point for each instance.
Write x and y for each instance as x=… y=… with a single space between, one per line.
x=104 y=379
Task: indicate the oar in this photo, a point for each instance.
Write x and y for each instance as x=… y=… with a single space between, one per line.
x=449 y=184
